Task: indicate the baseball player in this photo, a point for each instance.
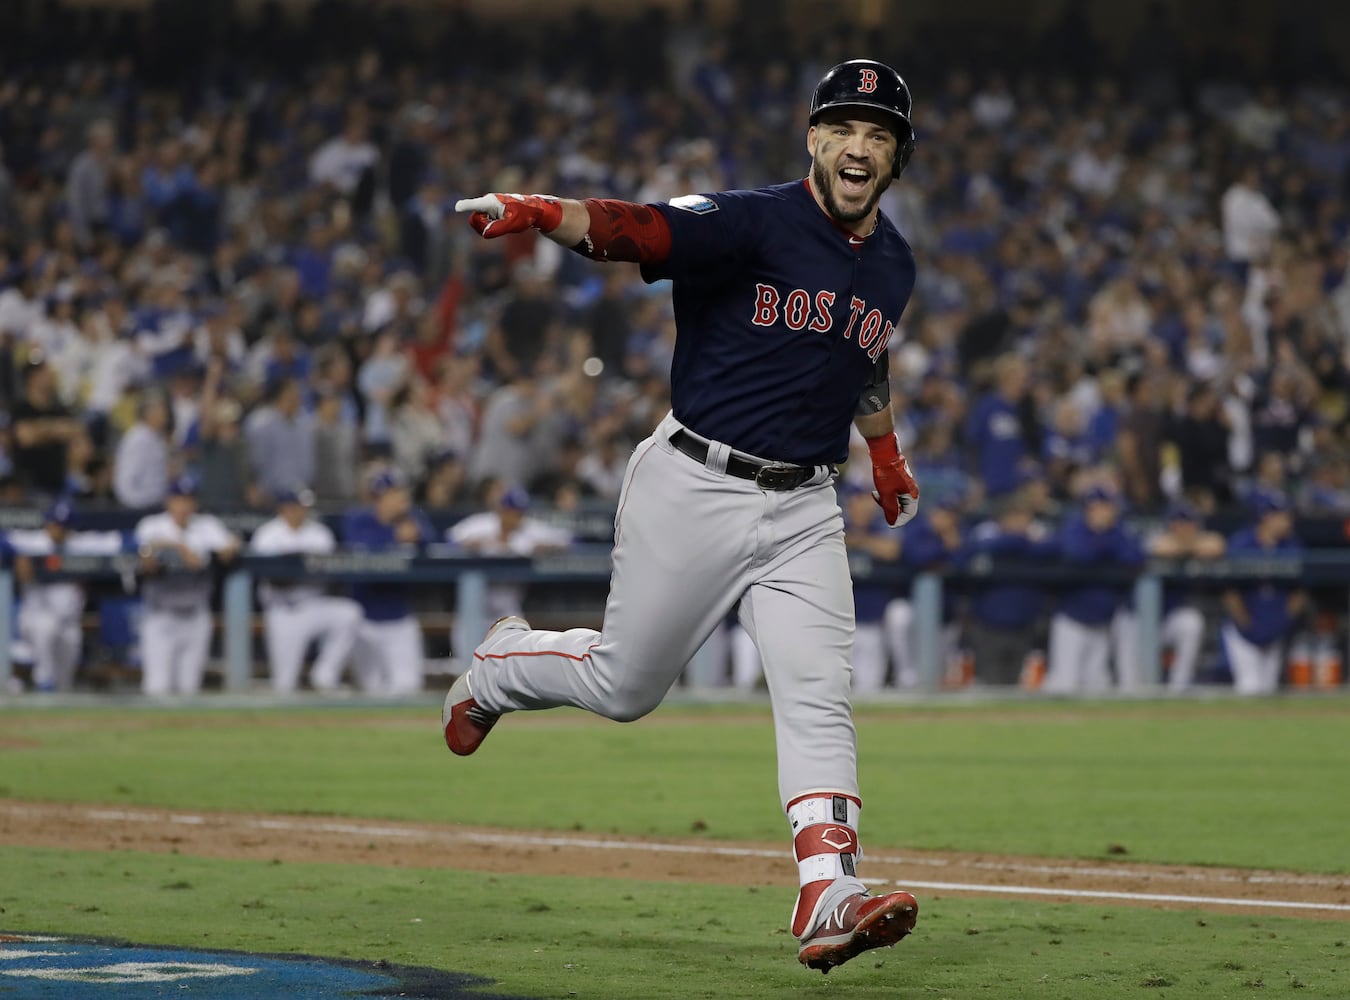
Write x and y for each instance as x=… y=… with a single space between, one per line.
x=296 y=614
x=931 y=541
x=1183 y=536
x=1261 y=615
x=506 y=530
x=178 y=550
x=50 y=610
x=1006 y=615
x=1079 y=655
x=785 y=299
x=388 y=656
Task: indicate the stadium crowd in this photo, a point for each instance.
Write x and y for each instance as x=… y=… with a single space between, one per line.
x=248 y=270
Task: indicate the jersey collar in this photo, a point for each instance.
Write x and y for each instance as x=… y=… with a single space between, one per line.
x=854 y=240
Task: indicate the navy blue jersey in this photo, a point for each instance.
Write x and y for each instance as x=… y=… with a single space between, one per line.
x=1267 y=604
x=382 y=601
x=1007 y=605
x=781 y=314
x=1096 y=603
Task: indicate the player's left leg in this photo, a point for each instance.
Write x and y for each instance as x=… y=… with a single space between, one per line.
x=1125 y=649
x=869 y=658
x=41 y=629
x=800 y=610
x=746 y=668
x=1096 y=662
x=897 y=623
x=194 y=646
x=69 y=646
x=337 y=621
x=404 y=655
x=1183 y=632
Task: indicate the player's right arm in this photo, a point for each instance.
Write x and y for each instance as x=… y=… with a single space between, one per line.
x=599 y=228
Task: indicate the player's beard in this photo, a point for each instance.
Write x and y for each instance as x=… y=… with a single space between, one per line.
x=825 y=181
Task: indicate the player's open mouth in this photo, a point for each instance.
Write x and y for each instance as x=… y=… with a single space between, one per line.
x=854 y=180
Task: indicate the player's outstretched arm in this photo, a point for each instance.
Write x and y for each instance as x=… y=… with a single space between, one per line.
x=600 y=228
x=563 y=220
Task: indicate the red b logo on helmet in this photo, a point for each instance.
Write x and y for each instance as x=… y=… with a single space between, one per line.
x=868 y=82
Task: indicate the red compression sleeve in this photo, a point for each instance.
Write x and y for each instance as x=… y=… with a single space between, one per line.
x=622 y=230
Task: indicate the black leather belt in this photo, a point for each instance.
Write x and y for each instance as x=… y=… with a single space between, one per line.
x=769 y=476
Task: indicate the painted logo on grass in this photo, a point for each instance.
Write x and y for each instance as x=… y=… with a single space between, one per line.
x=46 y=967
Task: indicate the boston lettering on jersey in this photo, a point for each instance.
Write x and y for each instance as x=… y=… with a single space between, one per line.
x=797 y=314
x=782 y=315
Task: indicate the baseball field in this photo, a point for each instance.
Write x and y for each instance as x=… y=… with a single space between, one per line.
x=1179 y=849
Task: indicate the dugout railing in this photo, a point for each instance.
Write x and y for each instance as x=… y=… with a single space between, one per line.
x=1324 y=570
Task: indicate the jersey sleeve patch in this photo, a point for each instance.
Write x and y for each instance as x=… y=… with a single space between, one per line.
x=696 y=203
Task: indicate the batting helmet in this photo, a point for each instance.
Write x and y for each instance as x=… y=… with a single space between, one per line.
x=871 y=84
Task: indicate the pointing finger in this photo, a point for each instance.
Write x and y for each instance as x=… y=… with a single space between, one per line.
x=489 y=204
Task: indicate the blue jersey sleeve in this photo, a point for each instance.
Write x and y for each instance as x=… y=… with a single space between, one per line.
x=361 y=531
x=710 y=235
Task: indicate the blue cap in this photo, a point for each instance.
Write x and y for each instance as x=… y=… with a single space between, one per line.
x=1100 y=494
x=183 y=486
x=298 y=495
x=384 y=481
x=1184 y=510
x=60 y=512
x=1269 y=502
x=515 y=498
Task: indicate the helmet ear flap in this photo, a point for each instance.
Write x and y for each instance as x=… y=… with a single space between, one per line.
x=903 y=152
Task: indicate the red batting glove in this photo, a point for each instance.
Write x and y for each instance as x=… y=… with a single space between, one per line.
x=896 y=491
x=499 y=214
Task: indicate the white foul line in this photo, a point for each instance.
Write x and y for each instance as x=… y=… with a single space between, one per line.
x=722 y=850
x=1139 y=897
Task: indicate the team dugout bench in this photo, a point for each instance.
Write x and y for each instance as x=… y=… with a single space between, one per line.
x=590 y=565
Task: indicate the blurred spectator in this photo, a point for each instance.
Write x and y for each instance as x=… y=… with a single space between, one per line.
x=87 y=185
x=347 y=162
x=511 y=422
x=1261 y=614
x=416 y=431
x=43 y=429
x=141 y=469
x=1200 y=437
x=994 y=429
x=225 y=473
x=447 y=481
x=1250 y=222
x=1080 y=650
x=281 y=440
x=527 y=327
x=1139 y=440
x=336 y=451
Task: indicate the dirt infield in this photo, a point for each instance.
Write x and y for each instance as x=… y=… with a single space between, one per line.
x=933 y=874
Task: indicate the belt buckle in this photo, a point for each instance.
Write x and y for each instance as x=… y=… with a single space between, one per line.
x=779 y=476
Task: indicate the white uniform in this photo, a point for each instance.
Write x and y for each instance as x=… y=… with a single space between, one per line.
x=482 y=533
x=49 y=614
x=296 y=614
x=176 y=628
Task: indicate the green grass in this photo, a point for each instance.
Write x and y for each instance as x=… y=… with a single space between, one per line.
x=1246 y=784
x=607 y=939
